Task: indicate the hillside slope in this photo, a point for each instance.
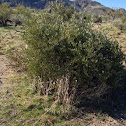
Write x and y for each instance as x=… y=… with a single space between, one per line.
x=88 y=6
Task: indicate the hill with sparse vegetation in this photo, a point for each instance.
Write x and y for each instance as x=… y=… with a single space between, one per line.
x=88 y=6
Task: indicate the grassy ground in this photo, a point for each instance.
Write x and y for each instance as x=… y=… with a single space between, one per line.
x=19 y=105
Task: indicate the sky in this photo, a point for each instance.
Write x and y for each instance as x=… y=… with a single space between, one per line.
x=112 y=3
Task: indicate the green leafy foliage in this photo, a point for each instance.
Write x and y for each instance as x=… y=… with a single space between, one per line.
x=5 y=12
x=21 y=15
x=115 y=13
x=97 y=19
x=124 y=22
x=58 y=47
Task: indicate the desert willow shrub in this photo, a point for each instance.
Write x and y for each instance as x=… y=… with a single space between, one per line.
x=59 y=48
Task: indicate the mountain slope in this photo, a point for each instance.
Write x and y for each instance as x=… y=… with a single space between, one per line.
x=88 y=6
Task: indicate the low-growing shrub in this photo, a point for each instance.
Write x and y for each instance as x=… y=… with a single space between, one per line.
x=71 y=49
x=124 y=22
x=118 y=24
x=97 y=19
x=17 y=19
x=20 y=15
x=5 y=12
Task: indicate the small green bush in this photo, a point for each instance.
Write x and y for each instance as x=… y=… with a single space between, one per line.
x=20 y=15
x=58 y=47
x=124 y=18
x=97 y=19
x=124 y=22
x=118 y=23
x=5 y=12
